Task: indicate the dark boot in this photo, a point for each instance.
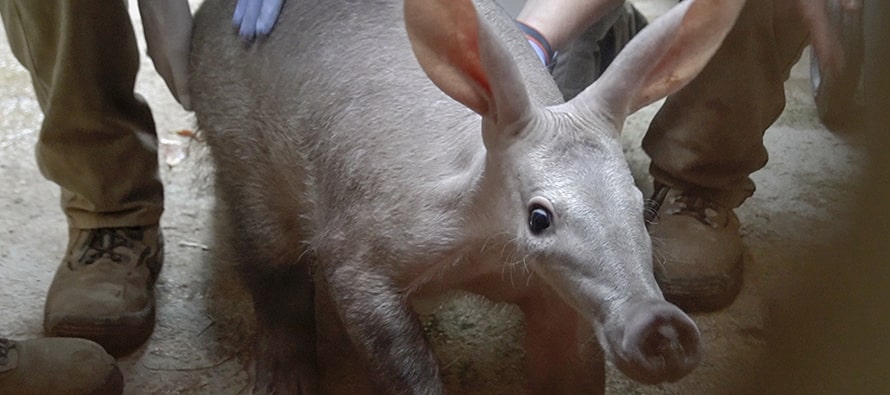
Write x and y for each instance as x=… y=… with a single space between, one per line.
x=57 y=366
x=104 y=288
x=697 y=250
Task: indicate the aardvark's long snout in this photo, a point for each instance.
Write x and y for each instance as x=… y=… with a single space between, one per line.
x=657 y=342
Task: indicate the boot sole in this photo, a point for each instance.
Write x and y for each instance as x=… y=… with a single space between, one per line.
x=704 y=295
x=118 y=336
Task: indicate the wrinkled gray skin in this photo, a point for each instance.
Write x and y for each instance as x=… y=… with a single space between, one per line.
x=344 y=168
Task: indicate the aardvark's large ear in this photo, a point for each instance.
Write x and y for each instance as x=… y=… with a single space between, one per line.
x=463 y=57
x=663 y=57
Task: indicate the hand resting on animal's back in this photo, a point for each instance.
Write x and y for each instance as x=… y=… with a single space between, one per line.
x=256 y=17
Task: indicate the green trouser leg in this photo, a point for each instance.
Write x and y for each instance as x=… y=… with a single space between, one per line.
x=708 y=136
x=97 y=140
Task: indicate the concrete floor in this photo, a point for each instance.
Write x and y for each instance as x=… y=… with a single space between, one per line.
x=201 y=340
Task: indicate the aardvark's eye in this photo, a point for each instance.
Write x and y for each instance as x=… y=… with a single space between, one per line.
x=538 y=219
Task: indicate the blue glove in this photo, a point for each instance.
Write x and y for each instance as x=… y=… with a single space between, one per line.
x=256 y=17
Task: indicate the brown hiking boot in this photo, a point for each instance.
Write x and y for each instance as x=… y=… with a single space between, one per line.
x=697 y=250
x=104 y=288
x=57 y=366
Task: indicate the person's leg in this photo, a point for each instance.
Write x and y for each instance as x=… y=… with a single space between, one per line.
x=98 y=143
x=583 y=60
x=586 y=34
x=705 y=141
x=57 y=366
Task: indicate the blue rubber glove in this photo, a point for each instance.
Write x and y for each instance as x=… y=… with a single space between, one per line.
x=256 y=17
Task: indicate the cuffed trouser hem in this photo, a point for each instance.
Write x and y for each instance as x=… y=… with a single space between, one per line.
x=708 y=136
x=98 y=139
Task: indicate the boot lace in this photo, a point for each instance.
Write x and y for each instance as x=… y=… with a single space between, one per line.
x=702 y=209
x=104 y=242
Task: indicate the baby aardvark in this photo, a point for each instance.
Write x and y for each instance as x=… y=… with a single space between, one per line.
x=369 y=153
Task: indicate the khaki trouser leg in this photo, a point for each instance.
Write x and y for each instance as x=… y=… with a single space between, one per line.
x=97 y=140
x=709 y=135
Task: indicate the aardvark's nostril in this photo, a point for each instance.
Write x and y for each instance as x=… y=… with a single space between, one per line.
x=660 y=343
x=665 y=340
x=664 y=350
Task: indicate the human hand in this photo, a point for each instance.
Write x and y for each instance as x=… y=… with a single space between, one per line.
x=256 y=17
